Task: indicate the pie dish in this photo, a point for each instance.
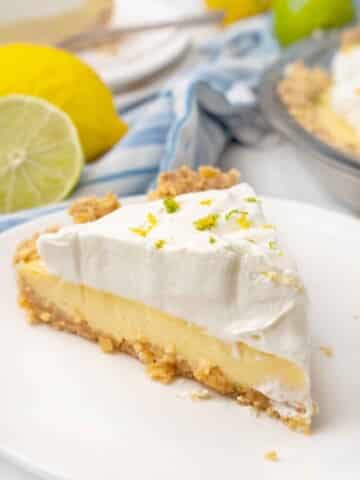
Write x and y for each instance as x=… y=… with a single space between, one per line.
x=327 y=104
x=194 y=283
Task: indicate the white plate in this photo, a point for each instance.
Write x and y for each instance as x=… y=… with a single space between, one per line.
x=137 y=57
x=75 y=413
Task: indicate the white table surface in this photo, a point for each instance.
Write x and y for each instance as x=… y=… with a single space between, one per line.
x=275 y=168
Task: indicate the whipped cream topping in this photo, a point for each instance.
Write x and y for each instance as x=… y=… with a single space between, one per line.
x=209 y=258
x=345 y=91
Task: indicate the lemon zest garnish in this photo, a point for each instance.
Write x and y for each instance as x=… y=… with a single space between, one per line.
x=152 y=220
x=206 y=223
x=271 y=456
x=244 y=221
x=272 y=244
x=143 y=231
x=206 y=202
x=159 y=244
x=231 y=213
x=273 y=276
x=251 y=199
x=171 y=205
x=139 y=231
x=268 y=226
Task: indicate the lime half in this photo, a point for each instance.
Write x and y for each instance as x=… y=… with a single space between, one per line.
x=40 y=153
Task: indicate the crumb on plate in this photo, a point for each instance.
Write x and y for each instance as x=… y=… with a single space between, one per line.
x=201 y=394
x=271 y=456
x=327 y=351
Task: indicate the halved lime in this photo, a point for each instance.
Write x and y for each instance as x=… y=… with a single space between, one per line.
x=41 y=158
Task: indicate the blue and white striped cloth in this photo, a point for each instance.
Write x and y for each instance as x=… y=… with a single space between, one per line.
x=189 y=122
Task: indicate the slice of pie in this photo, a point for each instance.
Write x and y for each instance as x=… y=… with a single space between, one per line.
x=327 y=104
x=195 y=285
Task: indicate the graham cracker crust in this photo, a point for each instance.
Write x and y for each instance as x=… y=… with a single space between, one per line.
x=160 y=364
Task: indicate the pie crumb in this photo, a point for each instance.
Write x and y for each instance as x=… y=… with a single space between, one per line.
x=327 y=351
x=202 y=394
x=271 y=456
x=90 y=209
x=186 y=180
x=106 y=344
x=243 y=400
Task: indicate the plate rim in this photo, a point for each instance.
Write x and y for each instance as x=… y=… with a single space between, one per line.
x=179 y=44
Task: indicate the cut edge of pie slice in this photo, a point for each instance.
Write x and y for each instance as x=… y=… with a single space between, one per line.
x=203 y=290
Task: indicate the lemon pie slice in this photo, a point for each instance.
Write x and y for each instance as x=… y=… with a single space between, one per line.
x=195 y=285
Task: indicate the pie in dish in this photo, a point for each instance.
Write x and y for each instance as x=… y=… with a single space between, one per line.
x=327 y=104
x=195 y=285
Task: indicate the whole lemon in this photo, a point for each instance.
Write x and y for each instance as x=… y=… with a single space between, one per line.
x=65 y=81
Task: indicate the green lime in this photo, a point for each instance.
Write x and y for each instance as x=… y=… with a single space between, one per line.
x=296 y=19
x=40 y=153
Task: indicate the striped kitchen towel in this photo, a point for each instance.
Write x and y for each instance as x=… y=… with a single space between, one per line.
x=189 y=122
